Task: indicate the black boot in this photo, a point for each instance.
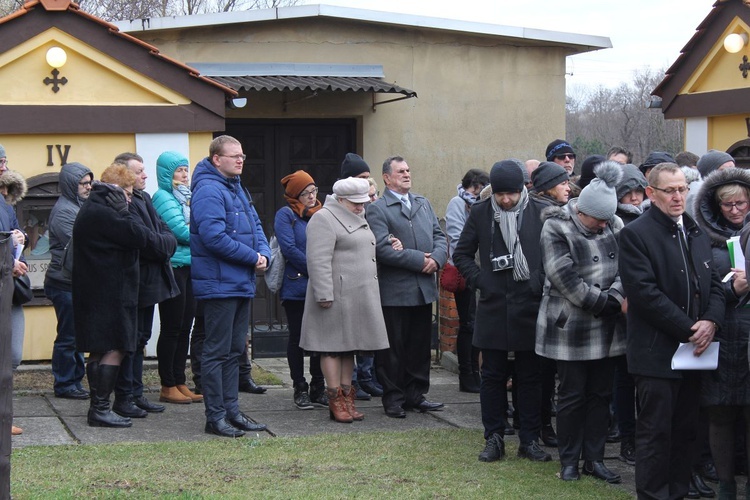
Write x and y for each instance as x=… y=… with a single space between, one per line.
x=301 y=396
x=318 y=394
x=464 y=350
x=100 y=413
x=92 y=367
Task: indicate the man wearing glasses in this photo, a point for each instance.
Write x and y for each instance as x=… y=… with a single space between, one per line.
x=674 y=296
x=227 y=246
x=560 y=152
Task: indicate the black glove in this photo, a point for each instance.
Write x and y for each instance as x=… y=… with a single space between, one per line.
x=117 y=200
x=611 y=308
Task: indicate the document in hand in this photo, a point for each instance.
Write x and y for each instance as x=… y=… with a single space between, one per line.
x=684 y=359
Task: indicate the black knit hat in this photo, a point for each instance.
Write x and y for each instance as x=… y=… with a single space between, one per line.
x=653 y=159
x=587 y=169
x=556 y=148
x=548 y=175
x=353 y=165
x=506 y=177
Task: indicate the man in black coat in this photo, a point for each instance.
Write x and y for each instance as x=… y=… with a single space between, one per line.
x=674 y=296
x=506 y=228
x=156 y=284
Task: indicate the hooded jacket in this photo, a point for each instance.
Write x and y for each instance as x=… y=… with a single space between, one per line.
x=226 y=236
x=61 y=220
x=729 y=384
x=170 y=211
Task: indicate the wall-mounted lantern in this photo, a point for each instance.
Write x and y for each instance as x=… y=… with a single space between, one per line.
x=56 y=57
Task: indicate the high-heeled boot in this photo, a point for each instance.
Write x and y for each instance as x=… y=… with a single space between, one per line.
x=350 y=395
x=100 y=412
x=337 y=406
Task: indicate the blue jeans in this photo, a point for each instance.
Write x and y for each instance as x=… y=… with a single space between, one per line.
x=363 y=369
x=18 y=324
x=227 y=324
x=67 y=363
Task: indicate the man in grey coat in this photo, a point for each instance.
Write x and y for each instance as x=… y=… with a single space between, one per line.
x=407 y=288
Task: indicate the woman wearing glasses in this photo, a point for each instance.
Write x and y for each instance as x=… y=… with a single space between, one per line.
x=720 y=209
x=290 y=226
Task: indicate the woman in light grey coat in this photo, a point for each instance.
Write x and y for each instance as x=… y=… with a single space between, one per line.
x=342 y=315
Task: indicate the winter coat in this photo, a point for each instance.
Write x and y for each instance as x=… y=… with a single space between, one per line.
x=291 y=233
x=402 y=282
x=455 y=220
x=106 y=274
x=729 y=384
x=17 y=189
x=506 y=309
x=581 y=273
x=342 y=268
x=170 y=211
x=661 y=307
x=157 y=281
x=226 y=236
x=61 y=220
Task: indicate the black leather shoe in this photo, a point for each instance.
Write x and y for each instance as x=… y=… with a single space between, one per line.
x=600 y=471
x=494 y=449
x=425 y=405
x=692 y=490
x=73 y=394
x=708 y=471
x=569 y=473
x=243 y=423
x=533 y=452
x=223 y=428
x=395 y=412
x=467 y=383
x=146 y=405
x=704 y=490
x=371 y=389
x=251 y=387
x=126 y=408
x=549 y=436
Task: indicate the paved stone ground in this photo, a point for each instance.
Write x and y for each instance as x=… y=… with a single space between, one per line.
x=47 y=420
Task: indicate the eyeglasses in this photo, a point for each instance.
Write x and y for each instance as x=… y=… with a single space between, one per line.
x=3 y=161
x=671 y=191
x=739 y=205
x=305 y=194
x=569 y=156
x=235 y=157
x=84 y=183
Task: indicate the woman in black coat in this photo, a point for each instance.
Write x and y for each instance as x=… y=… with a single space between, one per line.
x=107 y=240
x=720 y=208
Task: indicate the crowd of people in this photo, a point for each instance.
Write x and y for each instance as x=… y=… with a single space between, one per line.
x=575 y=289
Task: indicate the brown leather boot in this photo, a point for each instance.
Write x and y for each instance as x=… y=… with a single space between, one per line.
x=349 y=395
x=185 y=391
x=15 y=431
x=337 y=406
x=172 y=395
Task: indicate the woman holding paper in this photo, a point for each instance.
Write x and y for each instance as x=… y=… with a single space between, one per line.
x=720 y=209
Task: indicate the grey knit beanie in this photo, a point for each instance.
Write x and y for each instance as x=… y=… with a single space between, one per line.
x=712 y=161
x=548 y=175
x=599 y=198
x=632 y=178
x=2 y=151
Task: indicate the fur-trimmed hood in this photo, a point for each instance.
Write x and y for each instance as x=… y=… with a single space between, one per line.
x=706 y=209
x=16 y=185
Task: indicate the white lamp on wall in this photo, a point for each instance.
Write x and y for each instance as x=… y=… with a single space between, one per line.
x=56 y=57
x=734 y=42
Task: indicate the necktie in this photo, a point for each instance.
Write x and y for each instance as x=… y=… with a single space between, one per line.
x=405 y=200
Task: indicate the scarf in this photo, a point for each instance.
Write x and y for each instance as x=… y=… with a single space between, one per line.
x=469 y=198
x=300 y=209
x=508 y=222
x=182 y=193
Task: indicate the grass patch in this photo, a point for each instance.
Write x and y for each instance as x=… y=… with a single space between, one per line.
x=42 y=380
x=416 y=464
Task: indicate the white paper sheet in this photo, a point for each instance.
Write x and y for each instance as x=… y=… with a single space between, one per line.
x=684 y=359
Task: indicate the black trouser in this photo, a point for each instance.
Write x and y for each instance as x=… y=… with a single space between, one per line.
x=494 y=398
x=130 y=377
x=295 y=355
x=467 y=354
x=176 y=317
x=549 y=371
x=665 y=434
x=583 y=409
x=722 y=435
x=404 y=369
x=624 y=398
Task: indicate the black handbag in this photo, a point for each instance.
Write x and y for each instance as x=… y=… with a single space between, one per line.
x=22 y=292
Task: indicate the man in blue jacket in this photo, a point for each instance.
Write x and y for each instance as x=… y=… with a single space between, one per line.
x=228 y=246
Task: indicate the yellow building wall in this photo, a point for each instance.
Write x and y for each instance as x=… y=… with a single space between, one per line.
x=723 y=131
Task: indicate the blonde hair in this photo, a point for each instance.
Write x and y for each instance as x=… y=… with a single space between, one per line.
x=730 y=191
x=120 y=175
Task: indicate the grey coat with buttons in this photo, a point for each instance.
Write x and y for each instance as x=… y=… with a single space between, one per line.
x=342 y=269
x=581 y=269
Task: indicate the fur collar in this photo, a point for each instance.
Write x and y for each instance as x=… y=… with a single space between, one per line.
x=16 y=186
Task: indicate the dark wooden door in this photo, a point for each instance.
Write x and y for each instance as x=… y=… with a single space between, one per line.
x=274 y=149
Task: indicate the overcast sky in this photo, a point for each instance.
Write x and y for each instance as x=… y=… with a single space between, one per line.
x=643 y=32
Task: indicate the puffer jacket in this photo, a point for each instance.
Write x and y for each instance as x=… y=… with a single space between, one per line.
x=729 y=384
x=291 y=232
x=581 y=273
x=61 y=220
x=226 y=236
x=169 y=210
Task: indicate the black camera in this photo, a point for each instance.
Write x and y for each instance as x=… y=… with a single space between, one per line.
x=502 y=263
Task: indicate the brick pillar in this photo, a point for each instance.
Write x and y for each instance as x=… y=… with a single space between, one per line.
x=448 y=322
